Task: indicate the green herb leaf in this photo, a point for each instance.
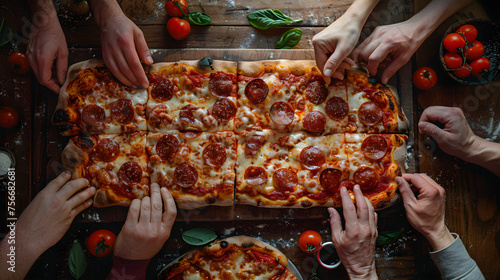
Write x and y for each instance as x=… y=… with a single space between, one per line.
x=198 y=236
x=290 y=39
x=265 y=19
x=388 y=237
x=5 y=33
x=200 y=18
x=77 y=261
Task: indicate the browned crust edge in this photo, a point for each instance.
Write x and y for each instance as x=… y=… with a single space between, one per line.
x=256 y=68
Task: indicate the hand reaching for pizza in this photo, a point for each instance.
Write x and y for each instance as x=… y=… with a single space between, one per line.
x=356 y=244
x=426 y=211
x=123 y=44
x=147 y=227
x=394 y=42
x=47 y=45
x=47 y=218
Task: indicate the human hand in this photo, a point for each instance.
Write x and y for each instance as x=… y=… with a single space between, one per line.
x=47 y=218
x=395 y=42
x=426 y=211
x=47 y=44
x=147 y=227
x=332 y=46
x=356 y=244
x=123 y=44
x=456 y=138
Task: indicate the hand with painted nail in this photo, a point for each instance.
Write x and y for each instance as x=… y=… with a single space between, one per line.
x=356 y=244
x=335 y=43
x=390 y=46
x=147 y=226
x=47 y=218
x=47 y=46
x=426 y=211
x=123 y=44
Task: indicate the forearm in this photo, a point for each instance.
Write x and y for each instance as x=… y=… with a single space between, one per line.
x=102 y=9
x=42 y=11
x=439 y=239
x=427 y=20
x=17 y=258
x=359 y=11
x=486 y=154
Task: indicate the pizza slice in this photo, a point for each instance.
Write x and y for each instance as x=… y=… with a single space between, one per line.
x=197 y=167
x=238 y=257
x=92 y=101
x=116 y=164
x=185 y=96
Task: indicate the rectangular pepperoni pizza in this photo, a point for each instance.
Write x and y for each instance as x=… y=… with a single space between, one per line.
x=265 y=133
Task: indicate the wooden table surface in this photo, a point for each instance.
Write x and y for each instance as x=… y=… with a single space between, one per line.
x=472 y=192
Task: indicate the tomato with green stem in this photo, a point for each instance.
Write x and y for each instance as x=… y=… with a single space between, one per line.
x=463 y=72
x=453 y=60
x=474 y=50
x=178 y=28
x=424 y=78
x=310 y=241
x=173 y=10
x=468 y=31
x=454 y=43
x=480 y=66
x=100 y=243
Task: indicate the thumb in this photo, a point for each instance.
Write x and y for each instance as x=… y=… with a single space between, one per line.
x=433 y=131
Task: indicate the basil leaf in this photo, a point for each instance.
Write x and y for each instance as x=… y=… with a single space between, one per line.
x=388 y=237
x=290 y=39
x=198 y=236
x=265 y=19
x=200 y=18
x=5 y=33
x=77 y=261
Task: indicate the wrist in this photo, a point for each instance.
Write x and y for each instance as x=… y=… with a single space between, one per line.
x=368 y=273
x=440 y=238
x=104 y=9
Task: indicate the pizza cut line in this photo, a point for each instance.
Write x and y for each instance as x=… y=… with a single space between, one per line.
x=264 y=133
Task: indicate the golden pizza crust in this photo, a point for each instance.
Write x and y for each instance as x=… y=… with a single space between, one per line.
x=73 y=158
x=218 y=65
x=189 y=202
x=257 y=68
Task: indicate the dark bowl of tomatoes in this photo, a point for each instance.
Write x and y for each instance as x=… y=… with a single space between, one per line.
x=470 y=51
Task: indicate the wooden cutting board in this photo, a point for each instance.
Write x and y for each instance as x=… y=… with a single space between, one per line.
x=51 y=143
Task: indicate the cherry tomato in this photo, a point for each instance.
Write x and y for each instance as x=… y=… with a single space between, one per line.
x=310 y=241
x=463 y=72
x=480 y=66
x=8 y=117
x=100 y=242
x=474 y=51
x=79 y=7
x=174 y=11
x=454 y=43
x=424 y=78
x=178 y=28
x=18 y=63
x=468 y=31
x=453 y=60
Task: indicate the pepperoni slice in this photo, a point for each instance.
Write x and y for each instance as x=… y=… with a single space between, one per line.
x=253 y=145
x=256 y=91
x=93 y=115
x=337 y=108
x=222 y=84
x=167 y=147
x=163 y=90
x=374 y=147
x=189 y=134
x=122 y=110
x=330 y=179
x=366 y=177
x=106 y=150
x=284 y=179
x=312 y=158
x=130 y=173
x=255 y=175
x=314 y=121
x=281 y=113
x=316 y=92
x=185 y=175
x=224 y=110
x=186 y=113
x=347 y=184
x=369 y=113
x=214 y=155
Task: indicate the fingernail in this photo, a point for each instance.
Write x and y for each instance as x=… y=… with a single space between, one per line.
x=149 y=58
x=145 y=85
x=398 y=180
x=67 y=172
x=343 y=189
x=423 y=125
x=328 y=72
x=356 y=187
x=163 y=189
x=330 y=211
x=93 y=189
